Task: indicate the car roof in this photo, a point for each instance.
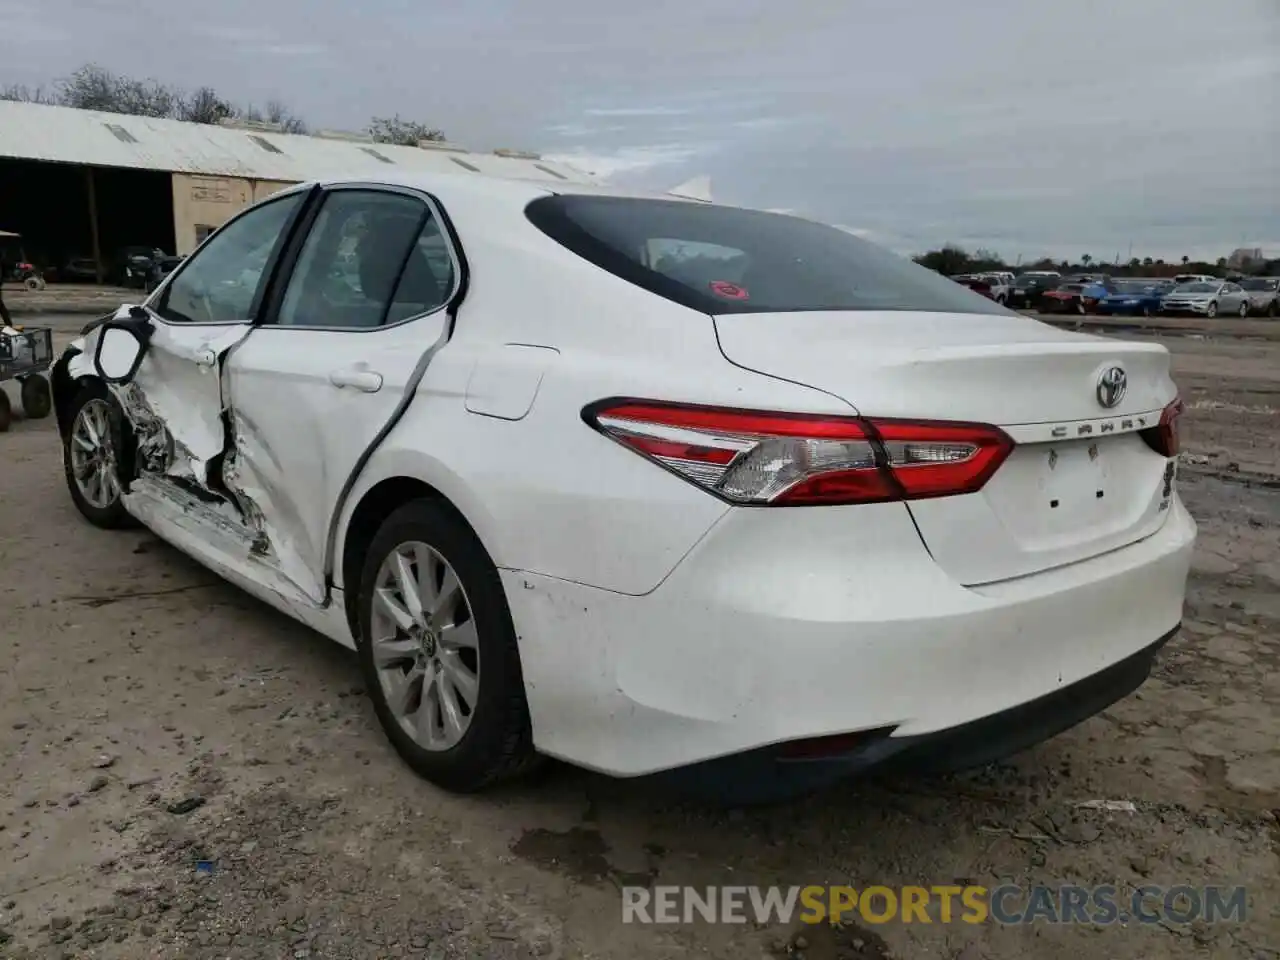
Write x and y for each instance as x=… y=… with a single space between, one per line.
x=517 y=190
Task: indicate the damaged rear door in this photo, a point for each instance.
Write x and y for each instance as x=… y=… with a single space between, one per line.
x=176 y=397
x=360 y=307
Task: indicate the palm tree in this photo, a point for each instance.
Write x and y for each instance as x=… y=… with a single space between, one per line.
x=1185 y=259
x=1086 y=259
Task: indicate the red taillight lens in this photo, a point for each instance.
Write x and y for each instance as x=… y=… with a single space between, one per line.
x=788 y=459
x=1163 y=438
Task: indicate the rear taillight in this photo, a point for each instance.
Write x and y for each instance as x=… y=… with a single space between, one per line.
x=1163 y=438
x=790 y=459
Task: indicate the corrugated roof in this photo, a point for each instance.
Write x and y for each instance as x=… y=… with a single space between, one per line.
x=30 y=131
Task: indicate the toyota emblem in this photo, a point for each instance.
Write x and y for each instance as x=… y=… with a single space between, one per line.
x=1111 y=386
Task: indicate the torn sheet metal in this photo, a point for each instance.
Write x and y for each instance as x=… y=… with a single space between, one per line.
x=177 y=405
x=257 y=480
x=175 y=399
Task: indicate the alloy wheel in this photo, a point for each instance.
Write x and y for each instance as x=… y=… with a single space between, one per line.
x=93 y=459
x=425 y=646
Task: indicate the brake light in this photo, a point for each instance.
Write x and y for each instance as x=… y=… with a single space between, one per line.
x=760 y=458
x=1163 y=437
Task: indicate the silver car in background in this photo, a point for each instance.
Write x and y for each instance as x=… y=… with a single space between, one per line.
x=1263 y=294
x=1207 y=298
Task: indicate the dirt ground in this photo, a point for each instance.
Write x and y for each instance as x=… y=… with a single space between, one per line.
x=187 y=774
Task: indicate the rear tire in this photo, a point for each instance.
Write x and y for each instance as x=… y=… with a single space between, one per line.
x=1272 y=310
x=92 y=495
x=6 y=412
x=496 y=741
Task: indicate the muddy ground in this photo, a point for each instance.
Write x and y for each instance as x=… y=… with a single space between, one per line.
x=185 y=773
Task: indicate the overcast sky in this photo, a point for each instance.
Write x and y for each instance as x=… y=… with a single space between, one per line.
x=1024 y=126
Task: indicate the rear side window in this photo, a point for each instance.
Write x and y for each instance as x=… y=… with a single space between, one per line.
x=722 y=260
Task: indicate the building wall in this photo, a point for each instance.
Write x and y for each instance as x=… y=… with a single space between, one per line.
x=202 y=204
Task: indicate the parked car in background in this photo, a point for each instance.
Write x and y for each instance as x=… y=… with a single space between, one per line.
x=1134 y=297
x=1208 y=298
x=1194 y=278
x=605 y=512
x=132 y=265
x=1028 y=287
x=1094 y=293
x=1078 y=296
x=78 y=270
x=1264 y=295
x=993 y=286
x=160 y=268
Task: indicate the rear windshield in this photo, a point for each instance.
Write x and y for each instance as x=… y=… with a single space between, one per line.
x=727 y=260
x=1198 y=288
x=1259 y=284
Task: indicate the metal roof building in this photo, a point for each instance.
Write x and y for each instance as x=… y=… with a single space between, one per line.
x=30 y=131
x=82 y=182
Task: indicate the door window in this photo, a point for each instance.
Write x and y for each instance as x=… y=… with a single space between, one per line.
x=372 y=258
x=219 y=282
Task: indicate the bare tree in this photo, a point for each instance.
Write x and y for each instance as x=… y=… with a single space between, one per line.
x=205 y=106
x=23 y=94
x=96 y=88
x=404 y=132
x=290 y=122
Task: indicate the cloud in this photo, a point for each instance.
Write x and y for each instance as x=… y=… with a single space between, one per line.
x=1029 y=128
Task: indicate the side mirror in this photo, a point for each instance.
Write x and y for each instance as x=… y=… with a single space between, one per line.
x=120 y=350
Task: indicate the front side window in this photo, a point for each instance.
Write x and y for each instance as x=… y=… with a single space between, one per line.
x=221 y=280
x=721 y=260
x=371 y=258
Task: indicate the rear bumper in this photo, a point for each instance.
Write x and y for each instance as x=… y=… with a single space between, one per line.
x=784 y=625
x=773 y=773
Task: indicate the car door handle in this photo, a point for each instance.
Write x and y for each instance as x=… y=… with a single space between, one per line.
x=366 y=381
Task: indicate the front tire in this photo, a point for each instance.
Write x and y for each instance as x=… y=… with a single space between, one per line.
x=1212 y=311
x=92 y=452
x=1244 y=309
x=438 y=651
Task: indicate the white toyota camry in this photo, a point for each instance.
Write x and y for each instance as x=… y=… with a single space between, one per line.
x=652 y=485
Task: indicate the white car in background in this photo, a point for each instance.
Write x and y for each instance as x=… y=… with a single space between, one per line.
x=650 y=485
x=1208 y=297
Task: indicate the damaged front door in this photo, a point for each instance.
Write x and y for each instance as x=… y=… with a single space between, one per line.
x=334 y=361
x=175 y=396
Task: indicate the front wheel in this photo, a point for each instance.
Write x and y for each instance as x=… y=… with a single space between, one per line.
x=1080 y=307
x=438 y=651
x=1244 y=309
x=1212 y=311
x=1273 y=309
x=92 y=454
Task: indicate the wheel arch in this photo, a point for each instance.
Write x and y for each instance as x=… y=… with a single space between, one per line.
x=371 y=508
x=65 y=386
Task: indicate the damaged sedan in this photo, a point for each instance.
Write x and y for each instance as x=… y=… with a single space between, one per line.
x=652 y=485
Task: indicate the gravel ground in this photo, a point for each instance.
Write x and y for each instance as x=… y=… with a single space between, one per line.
x=186 y=774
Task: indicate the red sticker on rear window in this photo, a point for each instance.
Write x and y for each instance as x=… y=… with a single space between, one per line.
x=730 y=291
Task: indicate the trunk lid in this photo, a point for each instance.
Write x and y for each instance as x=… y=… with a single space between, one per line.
x=1081 y=480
